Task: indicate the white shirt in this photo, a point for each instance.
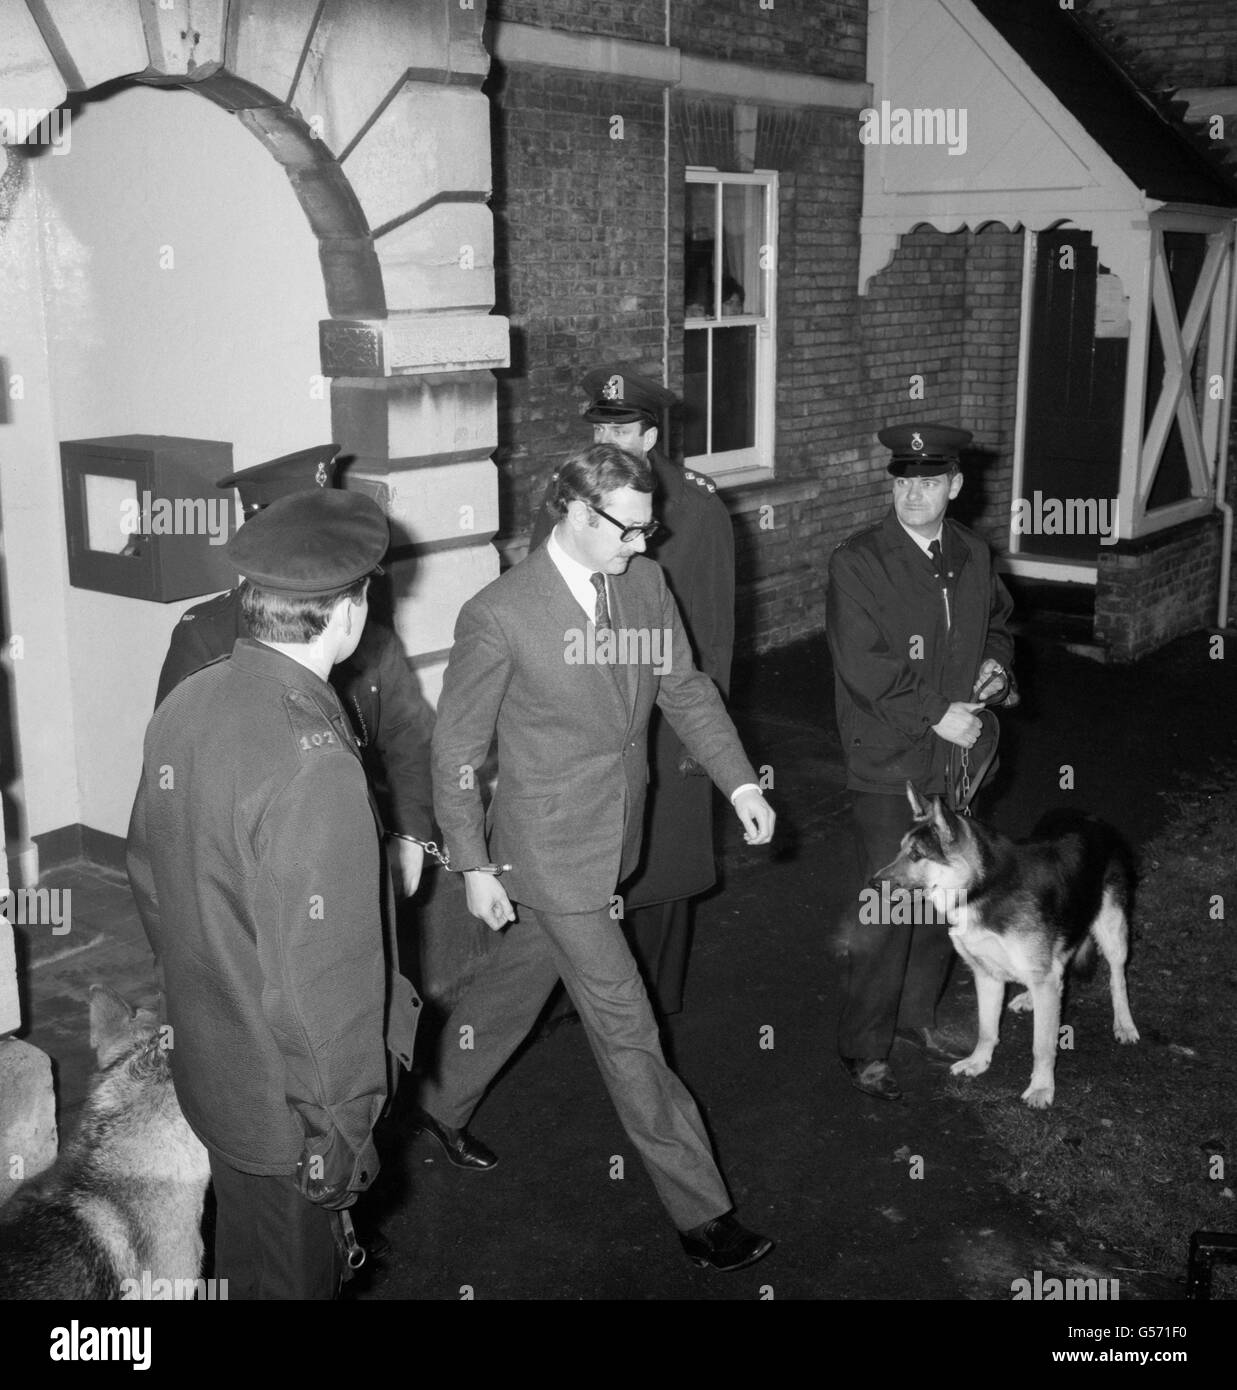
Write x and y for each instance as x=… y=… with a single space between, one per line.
x=579 y=579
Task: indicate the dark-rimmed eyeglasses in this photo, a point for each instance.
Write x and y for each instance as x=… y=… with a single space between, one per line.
x=628 y=533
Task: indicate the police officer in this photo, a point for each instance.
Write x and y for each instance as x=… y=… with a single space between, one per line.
x=255 y=860
x=695 y=549
x=391 y=721
x=917 y=622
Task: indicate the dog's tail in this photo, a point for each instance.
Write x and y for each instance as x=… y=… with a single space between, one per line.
x=1083 y=963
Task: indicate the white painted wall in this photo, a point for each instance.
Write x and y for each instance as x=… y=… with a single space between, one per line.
x=223 y=345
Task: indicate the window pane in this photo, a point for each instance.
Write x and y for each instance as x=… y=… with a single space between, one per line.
x=111 y=504
x=743 y=228
x=734 y=388
x=698 y=279
x=695 y=391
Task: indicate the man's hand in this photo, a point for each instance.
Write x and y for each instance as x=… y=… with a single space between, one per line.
x=992 y=681
x=959 y=724
x=757 y=815
x=487 y=899
x=406 y=865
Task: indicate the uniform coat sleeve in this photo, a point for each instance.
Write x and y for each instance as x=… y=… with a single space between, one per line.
x=319 y=939
x=188 y=651
x=403 y=746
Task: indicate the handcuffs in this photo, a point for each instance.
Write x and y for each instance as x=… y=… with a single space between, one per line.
x=444 y=857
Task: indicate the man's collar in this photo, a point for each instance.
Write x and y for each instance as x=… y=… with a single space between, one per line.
x=918 y=539
x=252 y=655
x=567 y=565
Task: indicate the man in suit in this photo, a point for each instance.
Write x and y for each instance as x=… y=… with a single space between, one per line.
x=695 y=548
x=563 y=658
x=254 y=858
x=390 y=719
x=917 y=621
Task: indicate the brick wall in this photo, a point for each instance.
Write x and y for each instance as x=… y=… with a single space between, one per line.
x=1152 y=590
x=828 y=37
x=641 y=20
x=579 y=228
x=1193 y=43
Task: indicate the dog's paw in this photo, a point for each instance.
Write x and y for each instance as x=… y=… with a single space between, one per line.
x=1039 y=1097
x=1021 y=1003
x=974 y=1065
x=1125 y=1032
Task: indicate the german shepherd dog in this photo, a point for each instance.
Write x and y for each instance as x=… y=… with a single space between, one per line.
x=125 y=1198
x=1023 y=912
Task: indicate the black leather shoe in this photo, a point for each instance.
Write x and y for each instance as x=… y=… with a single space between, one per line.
x=460 y=1147
x=723 y=1244
x=937 y=1044
x=873 y=1076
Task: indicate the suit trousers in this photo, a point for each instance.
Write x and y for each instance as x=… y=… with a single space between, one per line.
x=270 y=1243
x=893 y=974
x=588 y=952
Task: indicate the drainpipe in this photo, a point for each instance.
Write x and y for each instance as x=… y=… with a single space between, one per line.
x=1226 y=530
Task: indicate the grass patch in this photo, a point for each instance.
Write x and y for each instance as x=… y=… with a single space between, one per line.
x=1138 y=1147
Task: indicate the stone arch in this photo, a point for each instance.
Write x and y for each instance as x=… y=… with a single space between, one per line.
x=375 y=111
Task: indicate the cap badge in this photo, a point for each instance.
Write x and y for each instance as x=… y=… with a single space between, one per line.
x=320 y=476
x=613 y=389
x=917 y=441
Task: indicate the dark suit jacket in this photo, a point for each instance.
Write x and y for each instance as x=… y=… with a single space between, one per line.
x=696 y=553
x=897 y=667
x=568 y=810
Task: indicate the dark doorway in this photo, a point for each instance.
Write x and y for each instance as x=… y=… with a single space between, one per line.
x=1075 y=393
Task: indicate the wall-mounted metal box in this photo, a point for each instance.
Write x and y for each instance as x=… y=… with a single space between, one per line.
x=143 y=517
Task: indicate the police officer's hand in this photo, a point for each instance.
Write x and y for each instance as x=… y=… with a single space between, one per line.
x=757 y=815
x=959 y=724
x=406 y=866
x=992 y=682
x=331 y=1174
x=487 y=899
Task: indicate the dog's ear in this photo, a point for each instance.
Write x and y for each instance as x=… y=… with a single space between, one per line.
x=111 y=1024
x=919 y=806
x=944 y=822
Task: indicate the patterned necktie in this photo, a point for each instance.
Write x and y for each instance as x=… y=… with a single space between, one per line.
x=601 y=616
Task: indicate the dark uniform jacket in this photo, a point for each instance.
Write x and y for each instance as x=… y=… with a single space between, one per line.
x=696 y=552
x=897 y=666
x=254 y=858
x=568 y=810
x=390 y=718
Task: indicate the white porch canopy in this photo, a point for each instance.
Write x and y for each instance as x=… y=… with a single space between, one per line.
x=1020 y=157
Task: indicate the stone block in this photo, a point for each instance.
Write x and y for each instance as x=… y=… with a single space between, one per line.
x=361 y=51
x=440 y=505
x=27 y=1114
x=186 y=40
x=409 y=345
x=265 y=42
x=431 y=587
x=415 y=417
x=92 y=41
x=29 y=77
x=429 y=141
x=442 y=259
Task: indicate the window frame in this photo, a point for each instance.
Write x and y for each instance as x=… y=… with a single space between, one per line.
x=756 y=462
